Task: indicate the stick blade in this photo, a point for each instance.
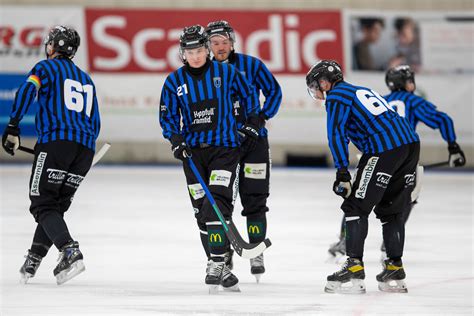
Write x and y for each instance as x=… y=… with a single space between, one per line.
x=99 y=154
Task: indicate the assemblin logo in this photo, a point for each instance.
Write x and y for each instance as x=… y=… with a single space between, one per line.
x=35 y=182
x=366 y=176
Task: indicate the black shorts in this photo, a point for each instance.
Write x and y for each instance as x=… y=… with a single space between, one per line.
x=383 y=182
x=58 y=169
x=218 y=166
x=254 y=179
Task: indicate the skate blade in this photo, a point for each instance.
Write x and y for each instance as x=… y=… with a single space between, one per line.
x=66 y=275
x=25 y=277
x=257 y=277
x=213 y=289
x=354 y=286
x=393 y=286
x=233 y=288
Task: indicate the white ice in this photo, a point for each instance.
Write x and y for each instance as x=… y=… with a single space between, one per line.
x=143 y=255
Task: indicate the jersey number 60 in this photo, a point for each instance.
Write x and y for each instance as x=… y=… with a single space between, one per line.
x=373 y=101
x=73 y=96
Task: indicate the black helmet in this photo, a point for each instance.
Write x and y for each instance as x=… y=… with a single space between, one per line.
x=64 y=40
x=325 y=69
x=397 y=77
x=192 y=37
x=220 y=28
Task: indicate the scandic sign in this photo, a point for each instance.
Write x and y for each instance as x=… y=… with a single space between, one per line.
x=289 y=42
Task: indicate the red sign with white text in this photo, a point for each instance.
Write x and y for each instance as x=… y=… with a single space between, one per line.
x=288 y=42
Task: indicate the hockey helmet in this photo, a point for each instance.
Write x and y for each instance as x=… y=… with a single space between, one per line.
x=222 y=28
x=63 y=39
x=397 y=77
x=192 y=37
x=328 y=70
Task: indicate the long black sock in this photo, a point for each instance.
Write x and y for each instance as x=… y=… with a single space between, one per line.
x=343 y=228
x=356 y=232
x=205 y=242
x=41 y=242
x=55 y=227
x=393 y=230
x=217 y=239
x=257 y=228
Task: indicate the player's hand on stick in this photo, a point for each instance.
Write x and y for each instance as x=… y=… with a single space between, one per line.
x=180 y=149
x=342 y=185
x=11 y=138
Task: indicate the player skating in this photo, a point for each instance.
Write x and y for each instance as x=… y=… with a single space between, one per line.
x=67 y=124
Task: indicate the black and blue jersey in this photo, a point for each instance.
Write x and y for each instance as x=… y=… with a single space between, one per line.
x=204 y=105
x=68 y=108
x=415 y=109
x=362 y=116
x=261 y=79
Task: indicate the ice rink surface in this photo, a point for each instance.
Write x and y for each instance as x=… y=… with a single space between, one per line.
x=143 y=255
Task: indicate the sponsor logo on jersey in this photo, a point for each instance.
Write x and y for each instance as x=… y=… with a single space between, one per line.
x=220 y=177
x=203 y=116
x=35 y=181
x=217 y=82
x=383 y=179
x=255 y=170
x=196 y=191
x=365 y=177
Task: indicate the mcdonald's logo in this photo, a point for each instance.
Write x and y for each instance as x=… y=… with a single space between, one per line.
x=254 y=230
x=215 y=238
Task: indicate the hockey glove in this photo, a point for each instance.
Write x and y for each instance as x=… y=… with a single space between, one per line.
x=180 y=149
x=11 y=138
x=342 y=185
x=249 y=134
x=456 y=155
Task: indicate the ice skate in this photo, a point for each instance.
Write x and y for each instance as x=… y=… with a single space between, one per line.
x=337 y=251
x=348 y=280
x=229 y=281
x=392 y=278
x=213 y=276
x=29 y=267
x=70 y=263
x=257 y=267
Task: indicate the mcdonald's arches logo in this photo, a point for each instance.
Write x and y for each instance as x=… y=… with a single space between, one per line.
x=215 y=238
x=254 y=230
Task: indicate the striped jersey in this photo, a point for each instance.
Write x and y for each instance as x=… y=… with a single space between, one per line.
x=204 y=105
x=415 y=109
x=362 y=116
x=261 y=79
x=68 y=108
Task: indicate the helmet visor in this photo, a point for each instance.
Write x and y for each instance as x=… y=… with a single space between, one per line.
x=313 y=90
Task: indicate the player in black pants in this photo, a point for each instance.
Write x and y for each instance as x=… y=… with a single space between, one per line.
x=254 y=178
x=385 y=176
x=199 y=95
x=401 y=82
x=67 y=124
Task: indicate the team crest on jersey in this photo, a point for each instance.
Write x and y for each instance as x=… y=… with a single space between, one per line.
x=217 y=82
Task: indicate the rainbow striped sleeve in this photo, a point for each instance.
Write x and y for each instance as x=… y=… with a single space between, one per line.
x=34 y=79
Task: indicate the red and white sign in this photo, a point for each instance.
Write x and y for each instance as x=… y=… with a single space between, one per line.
x=22 y=30
x=147 y=40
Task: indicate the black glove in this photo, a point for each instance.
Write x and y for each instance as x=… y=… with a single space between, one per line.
x=179 y=148
x=456 y=155
x=249 y=133
x=342 y=185
x=11 y=138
